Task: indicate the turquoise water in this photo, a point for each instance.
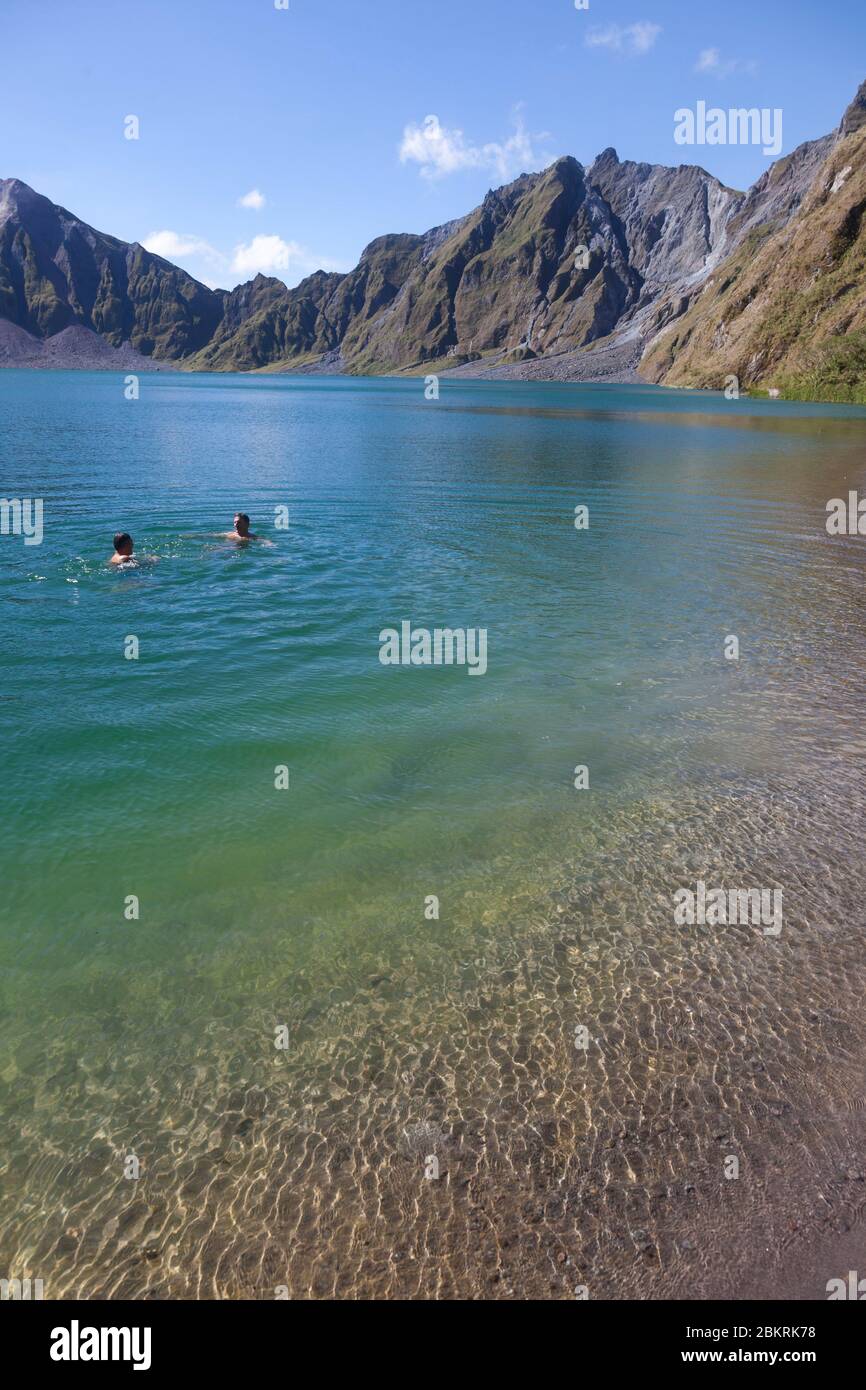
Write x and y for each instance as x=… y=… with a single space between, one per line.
x=155 y=777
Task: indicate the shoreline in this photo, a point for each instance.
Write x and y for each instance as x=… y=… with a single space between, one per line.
x=558 y=1169
x=612 y=367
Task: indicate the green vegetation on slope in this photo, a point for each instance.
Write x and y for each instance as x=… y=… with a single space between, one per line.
x=788 y=308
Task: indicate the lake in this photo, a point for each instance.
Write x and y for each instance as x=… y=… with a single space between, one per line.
x=282 y=923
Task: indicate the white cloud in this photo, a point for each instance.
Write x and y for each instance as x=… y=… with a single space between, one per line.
x=708 y=59
x=625 y=38
x=174 y=246
x=711 y=61
x=440 y=151
x=254 y=199
x=270 y=255
x=265 y=254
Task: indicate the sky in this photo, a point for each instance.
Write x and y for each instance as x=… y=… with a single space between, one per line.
x=284 y=139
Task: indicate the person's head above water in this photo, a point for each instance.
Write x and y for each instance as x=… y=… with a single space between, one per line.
x=123 y=543
x=242 y=523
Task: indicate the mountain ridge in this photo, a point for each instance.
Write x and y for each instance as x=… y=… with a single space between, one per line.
x=567 y=273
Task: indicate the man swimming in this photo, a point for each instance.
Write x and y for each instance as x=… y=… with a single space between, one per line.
x=123 y=548
x=242 y=530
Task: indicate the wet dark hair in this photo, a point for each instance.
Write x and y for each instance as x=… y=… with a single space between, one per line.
x=242 y=516
x=121 y=539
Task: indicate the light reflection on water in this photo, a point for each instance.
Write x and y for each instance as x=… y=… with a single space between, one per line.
x=156 y=778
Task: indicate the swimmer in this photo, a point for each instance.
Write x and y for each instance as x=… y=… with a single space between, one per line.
x=242 y=530
x=123 y=548
x=123 y=552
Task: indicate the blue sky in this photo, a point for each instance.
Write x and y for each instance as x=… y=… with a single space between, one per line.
x=316 y=114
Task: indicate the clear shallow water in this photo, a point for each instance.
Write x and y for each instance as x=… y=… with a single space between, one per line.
x=306 y=907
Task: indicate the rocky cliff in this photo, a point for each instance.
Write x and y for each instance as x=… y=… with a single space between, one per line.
x=787 y=307
x=57 y=273
x=569 y=273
